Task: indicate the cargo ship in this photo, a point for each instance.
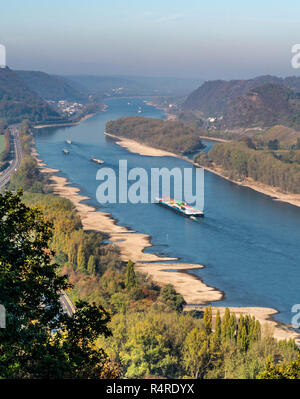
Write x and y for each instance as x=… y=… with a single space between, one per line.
x=180 y=207
x=98 y=161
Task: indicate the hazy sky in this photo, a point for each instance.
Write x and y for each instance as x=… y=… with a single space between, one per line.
x=191 y=38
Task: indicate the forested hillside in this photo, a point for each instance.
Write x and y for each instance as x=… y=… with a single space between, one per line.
x=240 y=161
x=50 y=87
x=214 y=96
x=264 y=106
x=18 y=101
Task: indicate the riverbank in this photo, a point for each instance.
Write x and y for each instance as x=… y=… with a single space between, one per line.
x=68 y=124
x=139 y=148
x=142 y=149
x=274 y=192
x=169 y=116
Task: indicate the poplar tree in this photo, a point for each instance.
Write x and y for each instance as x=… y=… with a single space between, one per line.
x=208 y=320
x=225 y=325
x=130 y=278
x=196 y=357
x=91 y=267
x=257 y=331
x=215 y=343
x=232 y=327
x=80 y=260
x=218 y=327
x=71 y=252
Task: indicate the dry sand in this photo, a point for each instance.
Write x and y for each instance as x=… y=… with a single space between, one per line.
x=188 y=285
x=138 y=148
x=195 y=292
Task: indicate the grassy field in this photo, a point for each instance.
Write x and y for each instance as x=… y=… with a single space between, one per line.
x=1 y=142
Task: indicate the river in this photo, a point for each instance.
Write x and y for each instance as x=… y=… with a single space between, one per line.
x=248 y=243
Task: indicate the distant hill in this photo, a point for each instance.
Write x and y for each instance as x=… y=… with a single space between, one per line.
x=265 y=106
x=133 y=85
x=214 y=96
x=18 y=101
x=50 y=87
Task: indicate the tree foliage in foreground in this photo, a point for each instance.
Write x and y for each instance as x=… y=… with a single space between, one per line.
x=160 y=342
x=40 y=340
x=281 y=371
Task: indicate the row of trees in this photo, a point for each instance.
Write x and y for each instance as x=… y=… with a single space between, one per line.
x=4 y=156
x=240 y=161
x=164 y=343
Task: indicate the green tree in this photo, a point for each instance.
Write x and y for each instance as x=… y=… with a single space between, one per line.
x=77 y=337
x=226 y=326
x=285 y=370
x=91 y=267
x=28 y=177
x=242 y=338
x=130 y=278
x=216 y=339
x=232 y=325
x=120 y=301
x=80 y=260
x=147 y=352
x=196 y=356
x=208 y=320
x=171 y=298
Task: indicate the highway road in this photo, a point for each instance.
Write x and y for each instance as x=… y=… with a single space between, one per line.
x=16 y=151
x=67 y=305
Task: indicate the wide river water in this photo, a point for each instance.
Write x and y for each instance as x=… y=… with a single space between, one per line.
x=248 y=243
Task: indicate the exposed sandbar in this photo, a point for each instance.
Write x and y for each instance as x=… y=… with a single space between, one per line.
x=141 y=149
